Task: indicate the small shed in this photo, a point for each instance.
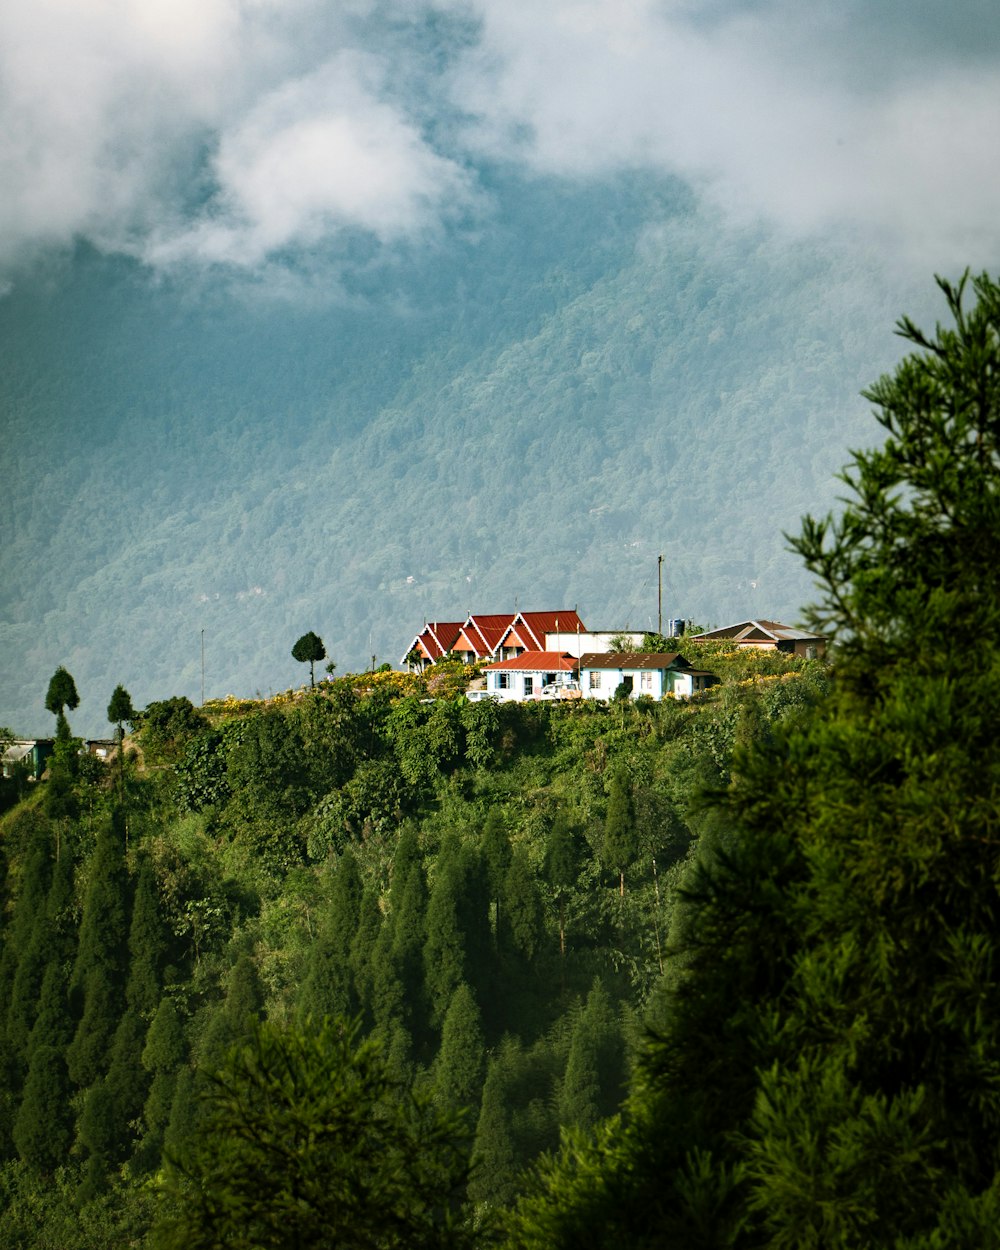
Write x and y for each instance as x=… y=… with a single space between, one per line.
x=28 y=756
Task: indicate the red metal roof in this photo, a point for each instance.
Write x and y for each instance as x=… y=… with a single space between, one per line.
x=536 y=662
x=436 y=638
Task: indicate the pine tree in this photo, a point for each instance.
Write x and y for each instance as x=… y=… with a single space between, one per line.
x=823 y=1067
x=43 y=1130
x=97 y=983
x=458 y=1068
x=328 y=988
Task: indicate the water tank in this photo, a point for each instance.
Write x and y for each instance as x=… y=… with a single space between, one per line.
x=676 y=627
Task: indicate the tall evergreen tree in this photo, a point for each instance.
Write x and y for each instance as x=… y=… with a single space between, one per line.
x=328 y=987
x=97 y=984
x=493 y=1154
x=824 y=1068
x=458 y=1068
x=163 y=1057
x=43 y=1130
x=445 y=943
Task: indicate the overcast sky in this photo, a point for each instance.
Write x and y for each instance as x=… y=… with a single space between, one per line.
x=233 y=133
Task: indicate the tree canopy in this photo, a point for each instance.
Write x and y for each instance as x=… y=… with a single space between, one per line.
x=823 y=1066
x=309 y=650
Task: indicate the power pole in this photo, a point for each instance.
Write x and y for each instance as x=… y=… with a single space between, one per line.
x=202 y=668
x=659 y=595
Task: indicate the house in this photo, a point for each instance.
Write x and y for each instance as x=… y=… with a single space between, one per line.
x=528 y=632
x=600 y=640
x=483 y=636
x=655 y=674
x=767 y=636
x=523 y=676
x=436 y=639
x=27 y=755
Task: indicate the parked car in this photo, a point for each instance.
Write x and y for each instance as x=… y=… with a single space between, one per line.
x=481 y=696
x=560 y=690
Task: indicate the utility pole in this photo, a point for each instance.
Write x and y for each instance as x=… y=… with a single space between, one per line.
x=659 y=595
x=202 y=668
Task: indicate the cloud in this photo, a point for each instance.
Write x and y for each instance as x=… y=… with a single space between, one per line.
x=317 y=155
x=220 y=131
x=806 y=115
x=245 y=132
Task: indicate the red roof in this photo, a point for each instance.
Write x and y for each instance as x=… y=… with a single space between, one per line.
x=538 y=624
x=537 y=662
x=436 y=638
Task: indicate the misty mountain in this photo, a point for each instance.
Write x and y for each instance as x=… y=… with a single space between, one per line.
x=526 y=413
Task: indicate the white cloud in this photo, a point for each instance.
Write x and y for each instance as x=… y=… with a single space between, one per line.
x=238 y=132
x=316 y=155
x=120 y=119
x=810 y=116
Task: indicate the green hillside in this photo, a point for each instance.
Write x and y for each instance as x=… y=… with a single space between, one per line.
x=487 y=888
x=530 y=415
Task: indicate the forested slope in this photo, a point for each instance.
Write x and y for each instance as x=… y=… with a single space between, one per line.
x=533 y=414
x=488 y=889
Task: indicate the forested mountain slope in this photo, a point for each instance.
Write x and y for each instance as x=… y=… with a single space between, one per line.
x=487 y=888
x=533 y=414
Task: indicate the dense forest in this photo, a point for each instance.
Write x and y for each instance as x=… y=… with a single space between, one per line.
x=485 y=889
x=373 y=965
x=533 y=415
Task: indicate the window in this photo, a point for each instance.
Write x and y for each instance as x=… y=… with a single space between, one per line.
x=529 y=687
x=503 y=681
x=595 y=680
x=646 y=681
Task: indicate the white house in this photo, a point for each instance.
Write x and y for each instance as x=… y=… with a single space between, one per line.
x=655 y=674
x=582 y=642
x=523 y=676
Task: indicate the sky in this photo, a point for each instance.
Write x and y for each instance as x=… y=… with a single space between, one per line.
x=237 y=137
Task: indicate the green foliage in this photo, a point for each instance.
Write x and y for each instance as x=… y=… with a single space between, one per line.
x=309 y=650
x=167 y=724
x=309 y=1142
x=120 y=709
x=43 y=1130
x=824 y=1067
x=61 y=693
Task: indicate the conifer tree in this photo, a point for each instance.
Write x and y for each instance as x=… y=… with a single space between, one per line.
x=822 y=1069
x=147 y=945
x=43 y=1130
x=162 y=1057
x=232 y=1023
x=493 y=1155
x=522 y=907
x=97 y=983
x=61 y=694
x=617 y=847
x=592 y=1085
x=328 y=988
x=445 y=943
x=562 y=868
x=497 y=855
x=458 y=1068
